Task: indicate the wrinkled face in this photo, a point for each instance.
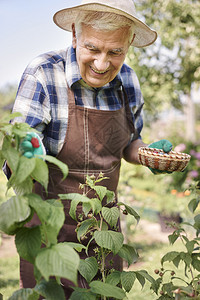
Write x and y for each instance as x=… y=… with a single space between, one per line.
x=100 y=54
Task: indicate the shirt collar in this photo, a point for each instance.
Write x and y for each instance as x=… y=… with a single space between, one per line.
x=73 y=73
x=72 y=69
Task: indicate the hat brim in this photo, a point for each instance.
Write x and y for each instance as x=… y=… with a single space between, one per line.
x=144 y=35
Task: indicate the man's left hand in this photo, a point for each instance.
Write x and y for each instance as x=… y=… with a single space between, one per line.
x=164 y=145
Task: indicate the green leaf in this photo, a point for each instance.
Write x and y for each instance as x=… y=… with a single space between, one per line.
x=52 y=217
x=41 y=172
x=24 y=294
x=84 y=227
x=23 y=188
x=63 y=167
x=28 y=243
x=196 y=261
x=128 y=253
x=76 y=199
x=88 y=268
x=186 y=257
x=106 y=290
x=101 y=179
x=6 y=129
x=14 y=213
x=51 y=290
x=21 y=129
x=103 y=225
x=190 y=246
x=82 y=294
x=197 y=222
x=60 y=260
x=95 y=205
x=114 y=278
x=109 y=239
x=176 y=260
x=110 y=195
x=101 y=191
x=193 y=204
x=24 y=169
x=12 y=116
x=86 y=208
x=146 y=276
x=12 y=157
x=2 y=161
x=170 y=256
x=130 y=210
x=173 y=237
x=111 y=215
x=78 y=247
x=89 y=181
x=140 y=278
x=127 y=280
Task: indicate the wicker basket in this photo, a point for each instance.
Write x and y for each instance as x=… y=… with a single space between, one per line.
x=158 y=159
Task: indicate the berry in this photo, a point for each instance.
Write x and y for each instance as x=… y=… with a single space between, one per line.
x=172 y=273
x=35 y=142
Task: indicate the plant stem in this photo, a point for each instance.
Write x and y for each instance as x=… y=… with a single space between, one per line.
x=103 y=268
x=177 y=297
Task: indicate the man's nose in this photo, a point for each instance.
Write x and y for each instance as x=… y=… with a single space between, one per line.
x=101 y=63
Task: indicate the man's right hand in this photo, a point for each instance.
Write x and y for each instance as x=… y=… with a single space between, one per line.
x=32 y=145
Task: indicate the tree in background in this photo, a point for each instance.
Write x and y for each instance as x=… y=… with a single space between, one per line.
x=170 y=69
x=7 y=97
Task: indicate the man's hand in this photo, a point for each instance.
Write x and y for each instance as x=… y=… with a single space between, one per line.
x=164 y=145
x=32 y=145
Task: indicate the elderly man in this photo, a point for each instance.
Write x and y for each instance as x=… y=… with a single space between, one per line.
x=86 y=102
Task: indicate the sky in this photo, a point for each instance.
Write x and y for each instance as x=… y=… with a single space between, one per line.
x=27 y=30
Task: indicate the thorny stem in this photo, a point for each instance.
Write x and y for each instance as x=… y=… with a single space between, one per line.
x=102 y=268
x=103 y=256
x=190 y=269
x=101 y=222
x=177 y=297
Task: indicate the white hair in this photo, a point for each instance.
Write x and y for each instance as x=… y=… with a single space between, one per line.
x=103 y=21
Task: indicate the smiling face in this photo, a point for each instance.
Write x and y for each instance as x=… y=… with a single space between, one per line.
x=100 y=54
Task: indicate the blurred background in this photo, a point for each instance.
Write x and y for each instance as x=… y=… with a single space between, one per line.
x=169 y=74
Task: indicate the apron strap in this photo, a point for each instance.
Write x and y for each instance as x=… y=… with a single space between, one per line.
x=123 y=95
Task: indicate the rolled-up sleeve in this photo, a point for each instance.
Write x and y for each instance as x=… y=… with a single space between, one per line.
x=32 y=102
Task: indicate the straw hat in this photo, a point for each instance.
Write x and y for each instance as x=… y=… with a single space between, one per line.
x=144 y=35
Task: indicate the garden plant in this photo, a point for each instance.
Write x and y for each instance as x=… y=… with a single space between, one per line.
x=186 y=286
x=52 y=260
x=98 y=222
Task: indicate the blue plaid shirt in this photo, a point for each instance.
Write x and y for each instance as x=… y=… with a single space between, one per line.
x=43 y=101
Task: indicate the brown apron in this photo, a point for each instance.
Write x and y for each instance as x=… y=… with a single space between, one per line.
x=94 y=143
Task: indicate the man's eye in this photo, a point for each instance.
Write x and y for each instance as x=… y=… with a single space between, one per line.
x=92 y=49
x=116 y=53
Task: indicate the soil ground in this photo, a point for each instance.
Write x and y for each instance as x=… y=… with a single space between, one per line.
x=7 y=248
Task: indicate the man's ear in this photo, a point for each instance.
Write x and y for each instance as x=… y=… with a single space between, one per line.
x=74 y=40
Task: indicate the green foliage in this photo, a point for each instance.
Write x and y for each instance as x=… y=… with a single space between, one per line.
x=14 y=213
x=98 y=222
x=187 y=285
x=101 y=224
x=39 y=246
x=59 y=260
x=53 y=259
x=7 y=97
x=168 y=68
